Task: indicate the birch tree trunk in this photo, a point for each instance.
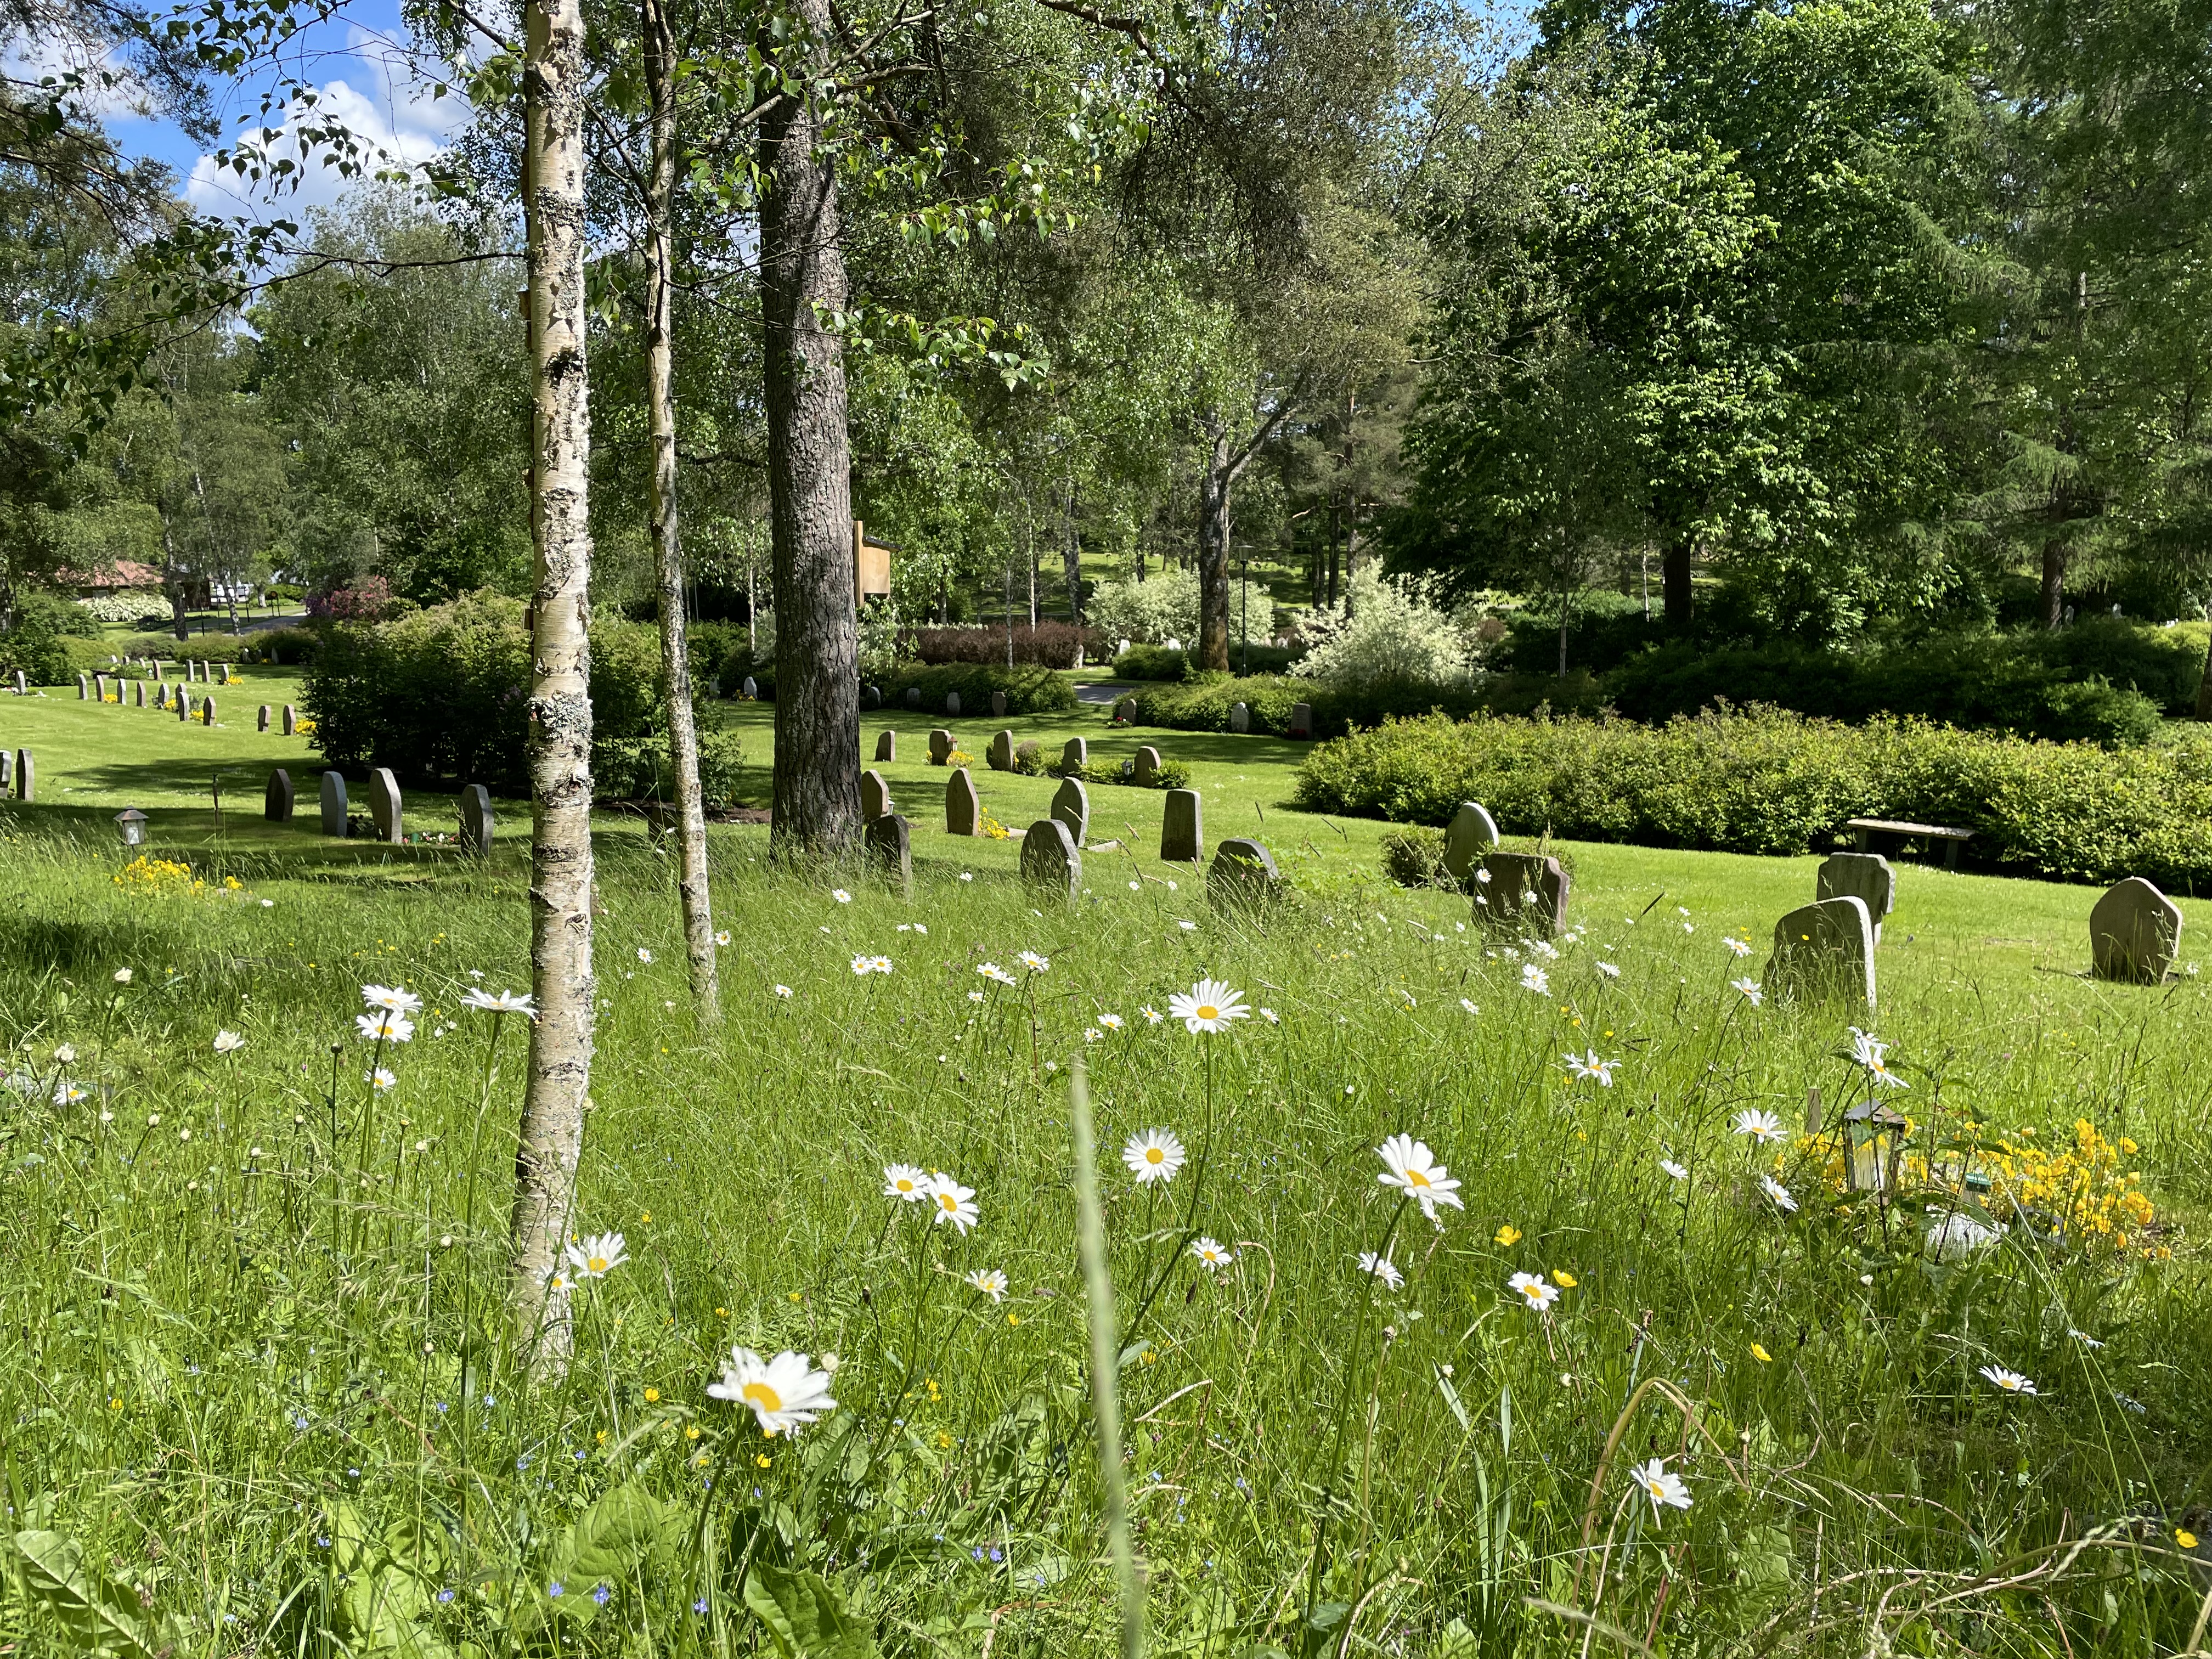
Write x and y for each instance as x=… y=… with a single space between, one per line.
x=691 y=881
x=1213 y=552
x=557 y=1093
x=818 y=694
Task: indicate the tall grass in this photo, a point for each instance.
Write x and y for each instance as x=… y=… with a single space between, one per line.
x=262 y=1399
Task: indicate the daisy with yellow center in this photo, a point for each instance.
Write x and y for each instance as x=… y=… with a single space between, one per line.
x=1211 y=1253
x=905 y=1183
x=1208 y=1006
x=1409 y=1165
x=1535 y=1295
x=953 y=1203
x=990 y=1281
x=1662 y=1486
x=597 y=1257
x=785 y=1393
x=1155 y=1155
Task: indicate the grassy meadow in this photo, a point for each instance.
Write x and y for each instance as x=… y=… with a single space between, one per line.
x=266 y=1400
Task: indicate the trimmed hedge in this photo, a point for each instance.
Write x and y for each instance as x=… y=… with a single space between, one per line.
x=1029 y=690
x=1766 y=780
x=1048 y=645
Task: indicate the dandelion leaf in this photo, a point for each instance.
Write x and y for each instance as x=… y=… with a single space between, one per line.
x=804 y=1616
x=614 y=1537
x=1456 y=1641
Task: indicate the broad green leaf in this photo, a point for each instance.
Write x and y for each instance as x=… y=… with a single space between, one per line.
x=804 y=1616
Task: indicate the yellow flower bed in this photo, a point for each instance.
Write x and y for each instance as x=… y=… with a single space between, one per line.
x=148 y=874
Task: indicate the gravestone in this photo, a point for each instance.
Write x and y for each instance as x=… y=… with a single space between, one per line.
x=475 y=818
x=871 y=696
x=1471 y=833
x=875 y=795
x=157 y=671
x=998 y=705
x=887 y=745
x=84 y=688
x=194 y=670
x=207 y=709
x=384 y=804
x=1145 y=767
x=225 y=674
x=940 y=746
x=1302 y=720
x=963 y=811
x=1000 y=752
x=276 y=799
x=1523 y=891
x=952 y=703
x=26 y=776
x=100 y=689
x=887 y=843
x=1240 y=718
x=750 y=689
x=1182 y=828
x=22 y=685
x=291 y=720
x=1824 y=949
x=261 y=719
x=1865 y=875
x=334 y=805
x=184 y=705
x=1070 y=806
x=7 y=769
x=2134 y=932
x=1243 y=876
x=141 y=688
x=1051 y=860
x=1075 y=754
x=913 y=696
x=1125 y=711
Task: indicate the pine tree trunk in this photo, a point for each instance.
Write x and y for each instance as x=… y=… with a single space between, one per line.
x=2053 y=593
x=1213 y=528
x=817 y=694
x=556 y=1095
x=691 y=881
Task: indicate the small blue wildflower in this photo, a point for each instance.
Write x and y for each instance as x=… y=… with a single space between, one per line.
x=556 y=1589
x=699 y=1607
x=446 y=1595
x=580 y=1457
x=603 y=1595
x=322 y=1543
x=995 y=1555
x=523 y=1462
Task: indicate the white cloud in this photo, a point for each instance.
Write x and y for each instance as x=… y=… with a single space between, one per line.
x=394 y=115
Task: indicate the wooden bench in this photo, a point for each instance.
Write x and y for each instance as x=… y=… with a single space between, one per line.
x=1866 y=828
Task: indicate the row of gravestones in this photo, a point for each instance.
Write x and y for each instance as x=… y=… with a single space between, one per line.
x=386 y=807
x=217 y=673
x=872 y=697
x=1240 y=717
x=168 y=697
x=1826 y=947
x=1182 y=837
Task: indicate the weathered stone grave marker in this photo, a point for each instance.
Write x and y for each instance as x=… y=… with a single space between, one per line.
x=886 y=745
x=1075 y=754
x=475 y=818
x=1824 y=949
x=875 y=795
x=1145 y=767
x=1000 y=752
x=334 y=805
x=1302 y=720
x=276 y=799
x=889 y=843
x=1051 y=860
x=1472 y=833
x=1239 y=718
x=2134 y=932
x=1243 y=876
x=1523 y=891
x=384 y=804
x=940 y=747
x=1070 y=806
x=963 y=810
x=1182 y=828
x=1866 y=876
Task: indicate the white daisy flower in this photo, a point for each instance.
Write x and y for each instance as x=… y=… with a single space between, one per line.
x=1188 y=927
x=1590 y=1068
x=1737 y=947
x=953 y=1203
x=1153 y=1016
x=1779 y=1194
x=66 y=1054
x=1382 y=1268
x=505 y=1002
x=1155 y=1155
x=905 y=1183
x=1111 y=1022
x=1609 y=969
x=1410 y=1166
x=597 y=1256
x=920 y=927
x=1033 y=962
x=1674 y=1171
x=722 y=938
x=1762 y=1127
x=1537 y=1295
x=228 y=1043
x=380 y=1079
x=1662 y=1486
x=68 y=1094
x=644 y=954
x=122 y=976
x=785 y=1393
x=1271 y=1017
x=975 y=996
x=1209 y=1005
x=840 y=896
x=1483 y=876
x=1753 y=993
x=1534 y=978
x=990 y=1281
x=2010 y=1381
x=1868 y=1052
x=1092 y=1034
x=382 y=1027
x=863 y=966
x=391 y=998
x=1213 y=1253
x=1468 y=1003
x=782 y=990
x=2085 y=1340
x=991 y=971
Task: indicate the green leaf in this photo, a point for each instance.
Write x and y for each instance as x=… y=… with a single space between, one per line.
x=613 y=1537
x=102 y=1615
x=804 y=1616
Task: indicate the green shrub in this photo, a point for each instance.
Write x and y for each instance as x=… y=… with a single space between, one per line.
x=444 y=693
x=1415 y=858
x=1203 y=705
x=1769 y=782
x=1029 y=690
x=639 y=768
x=1151 y=662
x=38 y=653
x=290 y=645
x=1168 y=774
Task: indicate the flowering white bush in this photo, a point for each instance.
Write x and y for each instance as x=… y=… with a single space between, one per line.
x=1165 y=607
x=1393 y=631
x=126 y=606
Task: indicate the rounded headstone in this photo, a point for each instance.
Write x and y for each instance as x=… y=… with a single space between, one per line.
x=1824 y=949
x=1145 y=767
x=1182 y=828
x=913 y=696
x=888 y=842
x=2134 y=931
x=1472 y=833
x=998 y=705
x=886 y=745
x=952 y=702
x=475 y=818
x=1000 y=753
x=875 y=795
x=384 y=804
x=1070 y=806
x=1075 y=754
x=334 y=805
x=940 y=746
x=964 y=809
x=1242 y=875
x=1864 y=875
x=276 y=799
x=1051 y=860
x=1239 y=718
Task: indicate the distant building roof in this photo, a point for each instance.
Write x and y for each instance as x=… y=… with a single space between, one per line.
x=123 y=573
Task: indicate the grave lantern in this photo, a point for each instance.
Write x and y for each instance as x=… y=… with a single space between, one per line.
x=1874 y=1146
x=132 y=823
